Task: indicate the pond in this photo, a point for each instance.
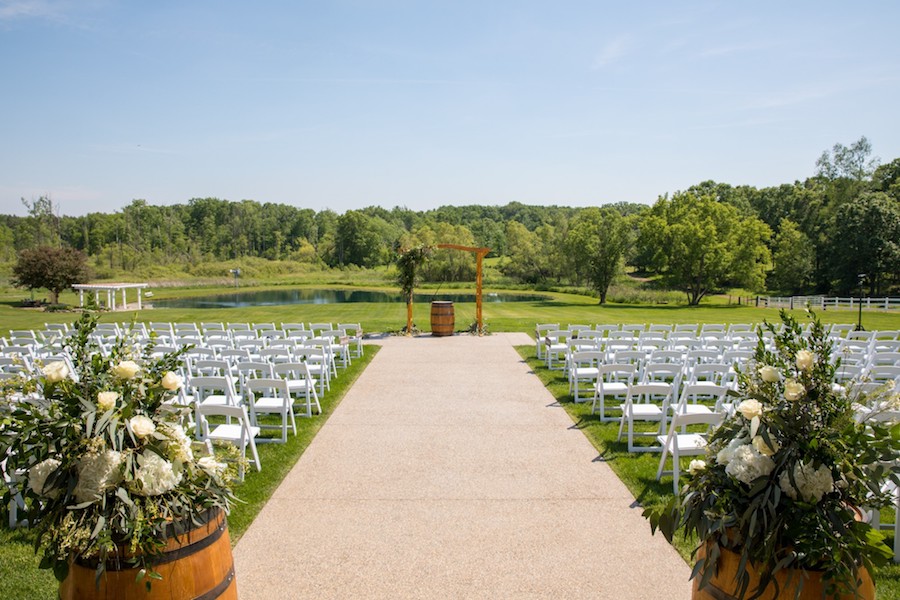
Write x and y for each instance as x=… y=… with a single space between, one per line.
x=326 y=296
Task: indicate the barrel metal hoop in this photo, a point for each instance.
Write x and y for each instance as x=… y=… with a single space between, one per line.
x=220 y=588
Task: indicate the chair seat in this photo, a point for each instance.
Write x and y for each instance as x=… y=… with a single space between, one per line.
x=269 y=405
x=694 y=409
x=686 y=442
x=613 y=388
x=230 y=432
x=645 y=412
x=585 y=372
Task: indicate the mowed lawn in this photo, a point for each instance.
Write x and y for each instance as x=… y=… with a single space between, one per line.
x=21 y=578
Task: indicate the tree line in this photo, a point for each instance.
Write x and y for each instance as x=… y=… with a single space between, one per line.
x=834 y=232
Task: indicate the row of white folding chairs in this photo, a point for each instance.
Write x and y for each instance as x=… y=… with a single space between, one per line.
x=587 y=366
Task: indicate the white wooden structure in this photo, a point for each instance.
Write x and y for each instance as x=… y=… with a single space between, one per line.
x=111 y=289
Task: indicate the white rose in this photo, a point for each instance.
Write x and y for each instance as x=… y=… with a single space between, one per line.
x=696 y=466
x=763 y=448
x=805 y=360
x=141 y=426
x=750 y=409
x=171 y=381
x=126 y=369
x=38 y=474
x=793 y=390
x=769 y=374
x=213 y=468
x=55 y=371
x=107 y=400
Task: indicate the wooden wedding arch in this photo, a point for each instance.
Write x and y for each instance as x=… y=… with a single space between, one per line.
x=480 y=253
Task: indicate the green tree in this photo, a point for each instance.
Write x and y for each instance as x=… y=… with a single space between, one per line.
x=867 y=241
x=42 y=225
x=794 y=258
x=527 y=260
x=700 y=245
x=49 y=267
x=597 y=242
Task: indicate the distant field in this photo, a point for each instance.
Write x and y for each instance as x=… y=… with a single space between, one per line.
x=391 y=317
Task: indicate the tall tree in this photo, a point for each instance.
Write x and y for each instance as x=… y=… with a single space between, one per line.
x=50 y=267
x=794 y=257
x=597 y=242
x=700 y=244
x=867 y=235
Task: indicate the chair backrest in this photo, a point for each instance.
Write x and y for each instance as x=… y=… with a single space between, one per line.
x=621 y=372
x=649 y=391
x=588 y=357
x=205 y=366
x=268 y=387
x=884 y=373
x=717 y=372
x=297 y=370
x=885 y=358
x=204 y=386
x=252 y=369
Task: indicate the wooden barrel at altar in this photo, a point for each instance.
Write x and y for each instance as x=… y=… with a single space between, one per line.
x=442 y=318
x=194 y=564
x=722 y=586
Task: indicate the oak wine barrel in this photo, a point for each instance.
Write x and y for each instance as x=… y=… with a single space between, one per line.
x=442 y=319
x=195 y=565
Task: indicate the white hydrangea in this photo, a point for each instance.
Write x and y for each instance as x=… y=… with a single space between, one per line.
x=96 y=474
x=812 y=483
x=747 y=464
x=727 y=453
x=38 y=474
x=154 y=475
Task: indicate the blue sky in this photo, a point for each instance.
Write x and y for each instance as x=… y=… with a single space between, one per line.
x=343 y=104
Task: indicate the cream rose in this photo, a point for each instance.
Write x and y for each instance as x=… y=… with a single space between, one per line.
x=141 y=426
x=805 y=360
x=107 y=400
x=760 y=445
x=55 y=371
x=769 y=374
x=696 y=466
x=793 y=390
x=171 y=381
x=126 y=369
x=750 y=409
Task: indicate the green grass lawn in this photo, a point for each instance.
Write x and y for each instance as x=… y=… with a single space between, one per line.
x=20 y=577
x=387 y=317
x=638 y=470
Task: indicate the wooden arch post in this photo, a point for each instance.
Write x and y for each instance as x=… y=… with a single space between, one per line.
x=480 y=253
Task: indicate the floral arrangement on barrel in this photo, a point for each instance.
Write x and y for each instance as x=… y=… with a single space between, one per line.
x=101 y=458
x=784 y=479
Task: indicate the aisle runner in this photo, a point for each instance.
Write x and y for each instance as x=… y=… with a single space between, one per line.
x=448 y=471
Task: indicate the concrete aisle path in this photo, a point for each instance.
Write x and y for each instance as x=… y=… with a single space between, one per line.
x=448 y=471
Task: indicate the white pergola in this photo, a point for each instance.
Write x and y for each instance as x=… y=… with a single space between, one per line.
x=110 y=289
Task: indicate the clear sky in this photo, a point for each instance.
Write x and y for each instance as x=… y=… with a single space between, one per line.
x=343 y=104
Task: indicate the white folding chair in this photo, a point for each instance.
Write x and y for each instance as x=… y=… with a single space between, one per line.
x=236 y=430
x=299 y=380
x=271 y=396
x=677 y=444
x=645 y=402
x=584 y=367
x=613 y=380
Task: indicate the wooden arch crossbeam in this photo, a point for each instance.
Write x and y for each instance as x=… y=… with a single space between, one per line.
x=480 y=253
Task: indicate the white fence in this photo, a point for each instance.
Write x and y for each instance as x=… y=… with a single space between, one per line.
x=824 y=302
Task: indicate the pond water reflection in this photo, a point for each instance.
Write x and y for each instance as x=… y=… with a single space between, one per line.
x=326 y=296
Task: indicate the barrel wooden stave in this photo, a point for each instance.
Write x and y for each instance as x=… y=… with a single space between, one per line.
x=723 y=586
x=442 y=318
x=207 y=573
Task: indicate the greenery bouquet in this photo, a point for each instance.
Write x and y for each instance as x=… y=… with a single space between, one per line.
x=101 y=459
x=785 y=478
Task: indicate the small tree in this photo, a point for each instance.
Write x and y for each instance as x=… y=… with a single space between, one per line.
x=597 y=242
x=408 y=263
x=47 y=267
